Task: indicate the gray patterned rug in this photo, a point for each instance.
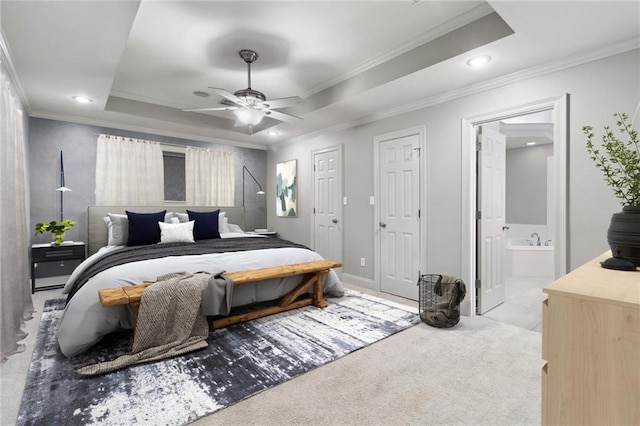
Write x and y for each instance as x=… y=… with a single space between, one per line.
x=240 y=361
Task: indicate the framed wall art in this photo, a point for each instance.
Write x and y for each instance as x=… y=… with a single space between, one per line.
x=286 y=189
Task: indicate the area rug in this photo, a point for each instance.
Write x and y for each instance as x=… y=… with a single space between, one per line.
x=240 y=361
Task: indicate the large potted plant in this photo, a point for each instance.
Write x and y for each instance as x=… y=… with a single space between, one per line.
x=57 y=229
x=618 y=157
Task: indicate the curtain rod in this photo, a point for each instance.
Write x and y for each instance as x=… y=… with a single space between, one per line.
x=161 y=143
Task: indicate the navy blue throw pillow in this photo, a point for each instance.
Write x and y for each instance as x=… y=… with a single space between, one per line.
x=144 y=228
x=206 y=224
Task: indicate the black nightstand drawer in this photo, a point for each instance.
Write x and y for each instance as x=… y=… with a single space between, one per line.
x=53 y=253
x=41 y=253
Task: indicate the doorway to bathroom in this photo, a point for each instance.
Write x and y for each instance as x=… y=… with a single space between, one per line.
x=514 y=209
x=516 y=227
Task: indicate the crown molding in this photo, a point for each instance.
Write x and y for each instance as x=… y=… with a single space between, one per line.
x=146 y=99
x=143 y=129
x=526 y=74
x=459 y=21
x=7 y=60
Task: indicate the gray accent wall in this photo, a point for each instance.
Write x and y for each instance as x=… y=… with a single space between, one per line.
x=78 y=142
x=596 y=90
x=526 y=184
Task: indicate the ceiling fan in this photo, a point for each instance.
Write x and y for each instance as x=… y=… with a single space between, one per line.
x=250 y=105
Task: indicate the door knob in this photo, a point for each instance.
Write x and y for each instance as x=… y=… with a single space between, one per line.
x=383 y=225
x=334 y=220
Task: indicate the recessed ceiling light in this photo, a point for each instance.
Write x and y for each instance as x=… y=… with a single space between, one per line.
x=478 y=61
x=82 y=99
x=272 y=133
x=531 y=143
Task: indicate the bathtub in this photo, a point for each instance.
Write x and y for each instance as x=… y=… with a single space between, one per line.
x=523 y=260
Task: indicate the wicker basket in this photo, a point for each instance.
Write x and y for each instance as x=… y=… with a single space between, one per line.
x=439 y=300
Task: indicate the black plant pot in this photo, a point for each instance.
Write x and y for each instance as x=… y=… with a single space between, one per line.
x=623 y=235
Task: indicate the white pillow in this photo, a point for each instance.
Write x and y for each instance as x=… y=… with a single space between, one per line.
x=235 y=228
x=109 y=224
x=222 y=216
x=225 y=225
x=182 y=217
x=176 y=232
x=118 y=229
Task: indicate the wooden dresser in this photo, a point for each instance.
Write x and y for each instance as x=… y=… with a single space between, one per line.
x=591 y=342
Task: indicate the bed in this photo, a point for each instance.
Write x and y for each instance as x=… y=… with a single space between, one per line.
x=85 y=321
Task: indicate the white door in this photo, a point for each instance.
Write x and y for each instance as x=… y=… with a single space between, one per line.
x=399 y=210
x=491 y=203
x=327 y=205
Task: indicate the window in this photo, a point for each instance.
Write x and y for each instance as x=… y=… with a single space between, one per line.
x=147 y=173
x=198 y=176
x=174 y=177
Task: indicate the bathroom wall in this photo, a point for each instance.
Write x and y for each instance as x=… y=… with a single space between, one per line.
x=526 y=186
x=522 y=232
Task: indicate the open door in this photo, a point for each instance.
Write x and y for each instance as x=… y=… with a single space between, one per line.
x=491 y=218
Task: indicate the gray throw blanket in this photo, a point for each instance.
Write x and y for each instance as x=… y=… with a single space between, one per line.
x=171 y=320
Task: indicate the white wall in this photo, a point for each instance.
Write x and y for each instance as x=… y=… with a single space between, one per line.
x=597 y=90
x=526 y=184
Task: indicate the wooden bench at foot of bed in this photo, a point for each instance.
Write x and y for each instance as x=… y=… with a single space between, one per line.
x=313 y=276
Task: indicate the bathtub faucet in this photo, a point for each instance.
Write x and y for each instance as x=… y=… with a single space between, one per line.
x=535 y=234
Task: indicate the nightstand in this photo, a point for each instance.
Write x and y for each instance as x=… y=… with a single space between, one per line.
x=52 y=253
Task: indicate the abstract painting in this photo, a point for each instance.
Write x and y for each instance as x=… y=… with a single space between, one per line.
x=286 y=189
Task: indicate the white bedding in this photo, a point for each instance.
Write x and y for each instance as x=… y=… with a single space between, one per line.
x=85 y=321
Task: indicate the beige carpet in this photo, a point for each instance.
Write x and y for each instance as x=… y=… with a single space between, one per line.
x=480 y=372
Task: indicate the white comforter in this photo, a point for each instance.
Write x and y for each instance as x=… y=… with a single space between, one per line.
x=85 y=321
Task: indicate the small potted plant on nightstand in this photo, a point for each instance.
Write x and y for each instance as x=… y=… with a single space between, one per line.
x=57 y=229
x=619 y=162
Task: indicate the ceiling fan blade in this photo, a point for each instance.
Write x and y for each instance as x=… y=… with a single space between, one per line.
x=283 y=117
x=228 y=95
x=229 y=108
x=282 y=102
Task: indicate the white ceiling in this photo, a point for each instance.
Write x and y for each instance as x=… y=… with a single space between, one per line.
x=351 y=61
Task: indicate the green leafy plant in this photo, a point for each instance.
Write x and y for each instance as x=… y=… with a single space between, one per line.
x=56 y=228
x=619 y=160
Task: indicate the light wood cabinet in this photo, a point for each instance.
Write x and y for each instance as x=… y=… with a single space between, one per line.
x=591 y=342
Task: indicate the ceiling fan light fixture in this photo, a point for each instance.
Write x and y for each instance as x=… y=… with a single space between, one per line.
x=249 y=116
x=249 y=105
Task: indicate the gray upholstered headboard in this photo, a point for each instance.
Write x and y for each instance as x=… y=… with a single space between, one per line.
x=97 y=230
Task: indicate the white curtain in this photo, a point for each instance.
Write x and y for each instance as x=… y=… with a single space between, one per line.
x=209 y=177
x=129 y=172
x=15 y=290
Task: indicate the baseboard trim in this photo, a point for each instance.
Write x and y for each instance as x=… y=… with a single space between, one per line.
x=359 y=281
